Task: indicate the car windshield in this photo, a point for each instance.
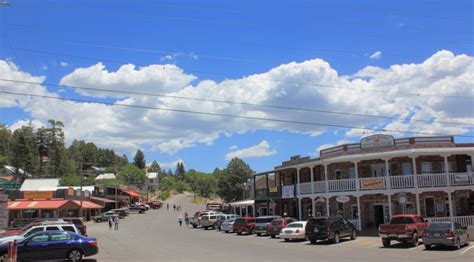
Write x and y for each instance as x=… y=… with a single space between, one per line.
x=264 y=220
x=440 y=226
x=401 y=220
x=295 y=225
x=319 y=221
x=277 y=222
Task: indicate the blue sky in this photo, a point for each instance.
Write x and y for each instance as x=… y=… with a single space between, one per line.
x=219 y=40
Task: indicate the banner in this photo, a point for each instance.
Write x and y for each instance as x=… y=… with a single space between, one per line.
x=37 y=194
x=461 y=178
x=288 y=191
x=373 y=183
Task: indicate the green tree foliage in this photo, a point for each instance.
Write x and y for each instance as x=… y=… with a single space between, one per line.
x=181 y=186
x=180 y=171
x=6 y=137
x=139 y=159
x=51 y=144
x=155 y=167
x=200 y=183
x=168 y=183
x=24 y=152
x=231 y=179
x=132 y=175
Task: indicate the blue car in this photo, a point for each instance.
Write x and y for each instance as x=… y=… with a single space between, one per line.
x=53 y=245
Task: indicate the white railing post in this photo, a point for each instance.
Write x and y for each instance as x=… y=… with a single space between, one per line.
x=389 y=206
x=359 y=215
x=418 y=212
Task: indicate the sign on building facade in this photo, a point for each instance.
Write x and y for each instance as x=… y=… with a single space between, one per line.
x=373 y=183
x=288 y=191
x=377 y=141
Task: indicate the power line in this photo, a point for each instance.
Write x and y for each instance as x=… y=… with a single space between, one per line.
x=230 y=115
x=400 y=93
x=229 y=102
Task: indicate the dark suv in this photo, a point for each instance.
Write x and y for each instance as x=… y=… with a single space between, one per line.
x=277 y=225
x=244 y=225
x=329 y=228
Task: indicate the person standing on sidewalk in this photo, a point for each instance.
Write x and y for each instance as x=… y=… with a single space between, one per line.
x=180 y=220
x=186 y=218
x=174 y=207
x=116 y=222
x=111 y=221
x=167 y=206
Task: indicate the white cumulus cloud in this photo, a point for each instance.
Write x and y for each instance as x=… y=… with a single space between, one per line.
x=260 y=150
x=376 y=55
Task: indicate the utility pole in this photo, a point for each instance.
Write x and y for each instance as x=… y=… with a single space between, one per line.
x=82 y=194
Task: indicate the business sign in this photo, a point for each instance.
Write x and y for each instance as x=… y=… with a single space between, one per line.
x=3 y=211
x=373 y=183
x=273 y=189
x=342 y=199
x=376 y=141
x=288 y=191
x=402 y=198
x=37 y=194
x=320 y=200
x=461 y=178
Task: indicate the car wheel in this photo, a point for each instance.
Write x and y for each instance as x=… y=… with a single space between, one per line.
x=414 y=240
x=286 y=239
x=74 y=255
x=258 y=234
x=251 y=232
x=226 y=231
x=354 y=234
x=313 y=241
x=272 y=236
x=427 y=247
x=239 y=233
x=385 y=242
x=336 y=238
x=194 y=226
x=458 y=244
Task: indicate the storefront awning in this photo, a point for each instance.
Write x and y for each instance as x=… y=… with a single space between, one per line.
x=132 y=193
x=33 y=204
x=87 y=204
x=102 y=200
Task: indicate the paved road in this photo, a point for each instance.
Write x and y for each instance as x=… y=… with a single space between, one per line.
x=156 y=236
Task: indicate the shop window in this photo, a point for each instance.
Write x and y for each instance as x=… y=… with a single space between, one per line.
x=338 y=174
x=426 y=168
x=352 y=173
x=407 y=169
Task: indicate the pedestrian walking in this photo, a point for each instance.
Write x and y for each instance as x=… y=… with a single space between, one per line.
x=111 y=221
x=186 y=218
x=174 y=207
x=116 y=222
x=180 y=220
x=167 y=206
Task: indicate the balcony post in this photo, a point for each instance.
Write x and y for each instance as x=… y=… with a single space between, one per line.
x=326 y=177
x=358 y=213
x=451 y=209
x=389 y=206
x=311 y=173
x=356 y=177
x=298 y=171
x=418 y=212
x=446 y=169
x=312 y=207
x=387 y=174
x=327 y=206
x=415 y=178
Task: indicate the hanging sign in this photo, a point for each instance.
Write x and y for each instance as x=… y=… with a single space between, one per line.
x=37 y=194
x=342 y=199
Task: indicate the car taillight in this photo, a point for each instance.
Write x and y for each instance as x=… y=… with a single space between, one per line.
x=449 y=233
x=297 y=231
x=92 y=243
x=426 y=234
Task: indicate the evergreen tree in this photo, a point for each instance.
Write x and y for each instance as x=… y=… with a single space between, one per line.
x=24 y=152
x=231 y=179
x=155 y=167
x=5 y=142
x=170 y=173
x=180 y=171
x=139 y=159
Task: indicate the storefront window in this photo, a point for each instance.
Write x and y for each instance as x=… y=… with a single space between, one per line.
x=426 y=168
x=407 y=169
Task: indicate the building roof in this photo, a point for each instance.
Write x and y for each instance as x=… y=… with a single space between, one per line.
x=105 y=176
x=12 y=170
x=7 y=178
x=87 y=204
x=132 y=193
x=36 y=204
x=103 y=200
x=40 y=184
x=84 y=188
x=152 y=175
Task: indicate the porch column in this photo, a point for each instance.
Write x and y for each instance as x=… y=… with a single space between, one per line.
x=356 y=176
x=418 y=212
x=312 y=207
x=415 y=180
x=300 y=217
x=298 y=171
x=387 y=174
x=446 y=169
x=327 y=206
x=311 y=173
x=326 y=177
x=359 y=214
x=389 y=205
x=451 y=209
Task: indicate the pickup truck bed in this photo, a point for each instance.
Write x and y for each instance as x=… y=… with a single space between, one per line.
x=403 y=228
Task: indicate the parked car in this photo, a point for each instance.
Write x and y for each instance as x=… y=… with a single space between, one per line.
x=445 y=234
x=105 y=216
x=53 y=245
x=403 y=228
x=262 y=223
x=155 y=204
x=329 y=228
x=277 y=225
x=120 y=212
x=25 y=228
x=194 y=220
x=208 y=220
x=244 y=225
x=78 y=222
x=223 y=217
x=126 y=210
x=294 y=230
x=44 y=227
x=137 y=208
x=228 y=225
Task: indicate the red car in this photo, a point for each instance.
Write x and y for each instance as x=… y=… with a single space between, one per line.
x=244 y=225
x=278 y=224
x=155 y=204
x=403 y=228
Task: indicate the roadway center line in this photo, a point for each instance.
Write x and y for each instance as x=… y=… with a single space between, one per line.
x=467 y=249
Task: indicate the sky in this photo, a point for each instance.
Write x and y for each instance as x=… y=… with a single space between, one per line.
x=410 y=63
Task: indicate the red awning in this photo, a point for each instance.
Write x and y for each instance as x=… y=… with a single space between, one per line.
x=87 y=204
x=36 y=204
x=132 y=193
x=103 y=200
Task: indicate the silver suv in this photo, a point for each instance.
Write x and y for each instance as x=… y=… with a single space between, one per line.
x=43 y=227
x=208 y=220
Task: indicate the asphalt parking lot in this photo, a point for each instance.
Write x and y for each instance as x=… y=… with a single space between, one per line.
x=156 y=236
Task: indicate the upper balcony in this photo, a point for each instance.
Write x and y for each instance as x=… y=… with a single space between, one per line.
x=460 y=180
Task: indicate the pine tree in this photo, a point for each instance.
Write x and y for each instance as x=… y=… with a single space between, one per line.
x=139 y=159
x=155 y=167
x=180 y=171
x=24 y=152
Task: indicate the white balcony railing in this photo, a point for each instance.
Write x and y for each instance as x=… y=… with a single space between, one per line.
x=402 y=181
x=342 y=185
x=319 y=187
x=304 y=188
x=462 y=220
x=431 y=180
x=461 y=179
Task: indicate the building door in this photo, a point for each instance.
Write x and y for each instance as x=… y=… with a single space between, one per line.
x=429 y=207
x=378 y=215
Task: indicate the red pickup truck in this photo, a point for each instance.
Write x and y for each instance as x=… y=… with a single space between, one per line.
x=403 y=228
